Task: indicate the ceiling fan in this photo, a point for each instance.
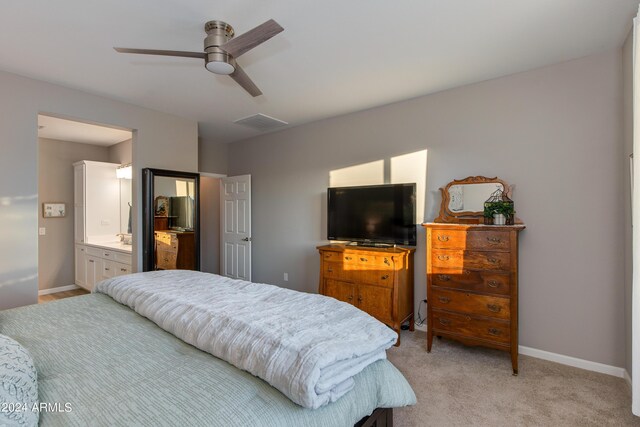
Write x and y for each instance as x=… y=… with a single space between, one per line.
x=221 y=49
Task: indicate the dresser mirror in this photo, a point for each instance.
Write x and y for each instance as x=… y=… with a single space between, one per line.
x=171 y=220
x=463 y=199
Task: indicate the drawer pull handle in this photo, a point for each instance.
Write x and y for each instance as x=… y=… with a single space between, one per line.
x=385 y=277
x=123 y=269
x=91 y=260
x=363 y=259
x=494 y=308
x=445 y=322
x=106 y=254
x=166 y=260
x=493 y=240
x=327 y=255
x=386 y=261
x=494 y=331
x=330 y=270
x=443 y=238
x=444 y=277
x=493 y=260
x=359 y=298
x=443 y=257
x=348 y=258
x=444 y=300
x=350 y=298
x=493 y=283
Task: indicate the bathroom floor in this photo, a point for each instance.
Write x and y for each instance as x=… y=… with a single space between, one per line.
x=61 y=295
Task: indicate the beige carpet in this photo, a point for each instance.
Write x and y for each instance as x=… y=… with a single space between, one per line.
x=467 y=386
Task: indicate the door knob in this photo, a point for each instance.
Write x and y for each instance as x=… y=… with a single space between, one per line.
x=246 y=239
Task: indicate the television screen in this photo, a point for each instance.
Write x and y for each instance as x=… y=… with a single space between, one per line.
x=375 y=214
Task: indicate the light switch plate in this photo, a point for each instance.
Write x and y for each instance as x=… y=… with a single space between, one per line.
x=42 y=231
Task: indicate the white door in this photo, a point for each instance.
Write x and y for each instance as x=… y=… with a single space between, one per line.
x=93 y=271
x=235 y=227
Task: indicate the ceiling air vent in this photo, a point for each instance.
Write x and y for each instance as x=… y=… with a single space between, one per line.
x=261 y=122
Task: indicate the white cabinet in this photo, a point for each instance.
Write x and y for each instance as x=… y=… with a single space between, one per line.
x=81 y=266
x=94 y=264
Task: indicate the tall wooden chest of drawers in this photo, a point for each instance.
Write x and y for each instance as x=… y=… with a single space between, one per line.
x=175 y=250
x=472 y=285
x=378 y=281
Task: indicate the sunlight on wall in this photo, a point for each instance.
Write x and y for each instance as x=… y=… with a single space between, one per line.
x=409 y=168
x=365 y=174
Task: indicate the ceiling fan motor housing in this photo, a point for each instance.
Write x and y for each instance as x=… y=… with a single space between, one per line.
x=217 y=60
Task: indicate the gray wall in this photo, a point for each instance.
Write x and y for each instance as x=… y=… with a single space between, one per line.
x=213 y=157
x=210 y=224
x=121 y=152
x=160 y=140
x=554 y=132
x=627 y=70
x=55 y=184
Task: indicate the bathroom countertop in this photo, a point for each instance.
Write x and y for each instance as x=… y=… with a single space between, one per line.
x=115 y=245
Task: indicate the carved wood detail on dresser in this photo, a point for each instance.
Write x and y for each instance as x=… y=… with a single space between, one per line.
x=472 y=285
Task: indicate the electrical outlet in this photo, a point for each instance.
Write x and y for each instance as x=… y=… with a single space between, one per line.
x=42 y=231
x=286 y=277
x=105 y=222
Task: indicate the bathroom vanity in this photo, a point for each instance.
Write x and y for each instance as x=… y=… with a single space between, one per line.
x=101 y=217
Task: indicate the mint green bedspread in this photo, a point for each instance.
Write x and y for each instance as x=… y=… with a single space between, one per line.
x=116 y=368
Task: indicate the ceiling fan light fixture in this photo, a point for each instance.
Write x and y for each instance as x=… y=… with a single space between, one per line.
x=219 y=67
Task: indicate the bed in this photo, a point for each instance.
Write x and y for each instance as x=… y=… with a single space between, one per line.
x=115 y=367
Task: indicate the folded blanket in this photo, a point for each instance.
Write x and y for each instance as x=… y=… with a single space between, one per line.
x=307 y=346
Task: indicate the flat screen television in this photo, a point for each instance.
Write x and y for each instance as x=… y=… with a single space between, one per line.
x=375 y=214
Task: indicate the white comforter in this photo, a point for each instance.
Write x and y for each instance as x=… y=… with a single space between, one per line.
x=307 y=346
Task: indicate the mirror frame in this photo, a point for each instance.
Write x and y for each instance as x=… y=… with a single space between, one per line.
x=467 y=217
x=148 y=212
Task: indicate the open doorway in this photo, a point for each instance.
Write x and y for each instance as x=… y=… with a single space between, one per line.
x=85 y=204
x=210 y=222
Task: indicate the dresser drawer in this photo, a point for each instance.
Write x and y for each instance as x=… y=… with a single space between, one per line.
x=373 y=275
x=166 y=260
x=464 y=302
x=488 y=240
x=476 y=327
x=471 y=280
x=470 y=259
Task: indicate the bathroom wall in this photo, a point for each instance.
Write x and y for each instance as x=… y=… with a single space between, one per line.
x=121 y=153
x=55 y=184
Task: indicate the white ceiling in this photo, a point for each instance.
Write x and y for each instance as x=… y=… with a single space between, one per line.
x=334 y=57
x=69 y=130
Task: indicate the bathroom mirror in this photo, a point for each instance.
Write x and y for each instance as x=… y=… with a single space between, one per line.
x=463 y=199
x=126 y=206
x=171 y=220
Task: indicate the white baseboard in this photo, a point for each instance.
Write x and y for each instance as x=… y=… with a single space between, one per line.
x=58 y=289
x=573 y=361
x=566 y=360
x=627 y=378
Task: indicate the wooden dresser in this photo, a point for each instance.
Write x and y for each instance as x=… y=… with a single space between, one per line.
x=378 y=281
x=175 y=250
x=472 y=285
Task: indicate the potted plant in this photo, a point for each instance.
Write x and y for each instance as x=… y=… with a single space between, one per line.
x=498 y=210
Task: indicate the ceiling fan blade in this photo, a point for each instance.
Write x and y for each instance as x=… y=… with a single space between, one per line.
x=179 y=53
x=243 y=80
x=252 y=38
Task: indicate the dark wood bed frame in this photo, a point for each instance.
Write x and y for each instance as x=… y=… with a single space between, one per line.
x=381 y=417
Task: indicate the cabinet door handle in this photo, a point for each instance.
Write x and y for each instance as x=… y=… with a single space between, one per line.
x=443 y=237
x=444 y=277
x=443 y=257
x=493 y=283
x=363 y=259
x=385 y=277
x=493 y=240
x=494 y=308
x=444 y=300
x=445 y=322
x=494 y=331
